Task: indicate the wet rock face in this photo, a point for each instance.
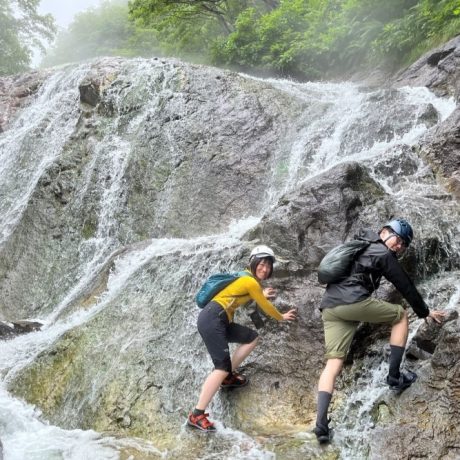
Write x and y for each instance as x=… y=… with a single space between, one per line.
x=185 y=151
x=89 y=93
x=176 y=150
x=428 y=337
x=185 y=162
x=441 y=148
x=16 y=92
x=10 y=330
x=283 y=370
x=386 y=119
x=430 y=406
x=439 y=70
x=323 y=211
x=213 y=152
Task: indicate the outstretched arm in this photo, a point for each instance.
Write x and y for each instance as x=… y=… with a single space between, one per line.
x=396 y=275
x=257 y=294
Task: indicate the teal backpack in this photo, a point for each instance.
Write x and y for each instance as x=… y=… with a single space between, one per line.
x=214 y=284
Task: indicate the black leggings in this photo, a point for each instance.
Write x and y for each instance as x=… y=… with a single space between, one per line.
x=217 y=332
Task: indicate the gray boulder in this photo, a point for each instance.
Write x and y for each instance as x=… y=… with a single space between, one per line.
x=438 y=70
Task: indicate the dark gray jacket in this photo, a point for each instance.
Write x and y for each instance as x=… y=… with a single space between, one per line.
x=376 y=261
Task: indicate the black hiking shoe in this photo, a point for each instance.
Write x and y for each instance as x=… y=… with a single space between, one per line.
x=405 y=380
x=323 y=434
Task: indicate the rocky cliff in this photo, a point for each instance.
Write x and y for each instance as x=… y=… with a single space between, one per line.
x=138 y=178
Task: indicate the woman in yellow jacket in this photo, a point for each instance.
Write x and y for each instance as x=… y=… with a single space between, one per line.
x=216 y=327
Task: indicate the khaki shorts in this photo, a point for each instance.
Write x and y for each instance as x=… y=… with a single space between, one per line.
x=341 y=322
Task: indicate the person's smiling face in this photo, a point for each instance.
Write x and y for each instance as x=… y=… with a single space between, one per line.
x=263 y=269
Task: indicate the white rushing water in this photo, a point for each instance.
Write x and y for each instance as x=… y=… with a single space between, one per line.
x=355 y=422
x=341 y=107
x=25 y=435
x=46 y=124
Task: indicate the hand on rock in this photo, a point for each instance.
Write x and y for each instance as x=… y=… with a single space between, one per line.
x=291 y=315
x=269 y=293
x=437 y=316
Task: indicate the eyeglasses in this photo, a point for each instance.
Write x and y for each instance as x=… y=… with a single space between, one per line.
x=399 y=240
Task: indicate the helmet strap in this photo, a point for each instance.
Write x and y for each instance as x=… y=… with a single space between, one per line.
x=388 y=237
x=391 y=233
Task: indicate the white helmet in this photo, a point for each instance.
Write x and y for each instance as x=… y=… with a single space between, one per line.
x=262 y=251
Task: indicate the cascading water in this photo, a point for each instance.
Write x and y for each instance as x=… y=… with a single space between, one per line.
x=24 y=434
x=355 y=420
x=340 y=122
x=44 y=125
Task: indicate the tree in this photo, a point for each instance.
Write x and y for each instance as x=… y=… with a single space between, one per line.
x=156 y=12
x=302 y=38
x=191 y=28
x=291 y=39
x=22 y=29
x=427 y=24
x=102 y=31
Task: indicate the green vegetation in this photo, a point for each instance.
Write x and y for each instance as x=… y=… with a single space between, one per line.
x=306 y=38
x=302 y=38
x=21 y=30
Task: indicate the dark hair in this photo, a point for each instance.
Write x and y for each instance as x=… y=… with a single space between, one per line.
x=256 y=261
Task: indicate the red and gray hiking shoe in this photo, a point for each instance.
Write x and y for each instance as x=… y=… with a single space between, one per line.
x=234 y=380
x=201 y=422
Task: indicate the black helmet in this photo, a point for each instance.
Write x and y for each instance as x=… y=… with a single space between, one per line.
x=402 y=228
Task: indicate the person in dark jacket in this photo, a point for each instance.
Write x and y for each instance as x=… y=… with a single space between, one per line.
x=347 y=303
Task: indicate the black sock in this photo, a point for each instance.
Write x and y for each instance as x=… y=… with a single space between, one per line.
x=396 y=356
x=324 y=399
x=198 y=412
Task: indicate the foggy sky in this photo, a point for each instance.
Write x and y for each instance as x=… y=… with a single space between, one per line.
x=64 y=11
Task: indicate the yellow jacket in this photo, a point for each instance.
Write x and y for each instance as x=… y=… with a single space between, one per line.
x=242 y=291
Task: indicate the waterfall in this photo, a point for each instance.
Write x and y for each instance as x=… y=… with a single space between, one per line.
x=45 y=125
x=340 y=122
x=356 y=419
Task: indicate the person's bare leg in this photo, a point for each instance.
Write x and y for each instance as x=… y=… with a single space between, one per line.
x=210 y=387
x=400 y=331
x=242 y=352
x=329 y=375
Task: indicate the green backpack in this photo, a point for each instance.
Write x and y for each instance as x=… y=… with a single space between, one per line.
x=337 y=263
